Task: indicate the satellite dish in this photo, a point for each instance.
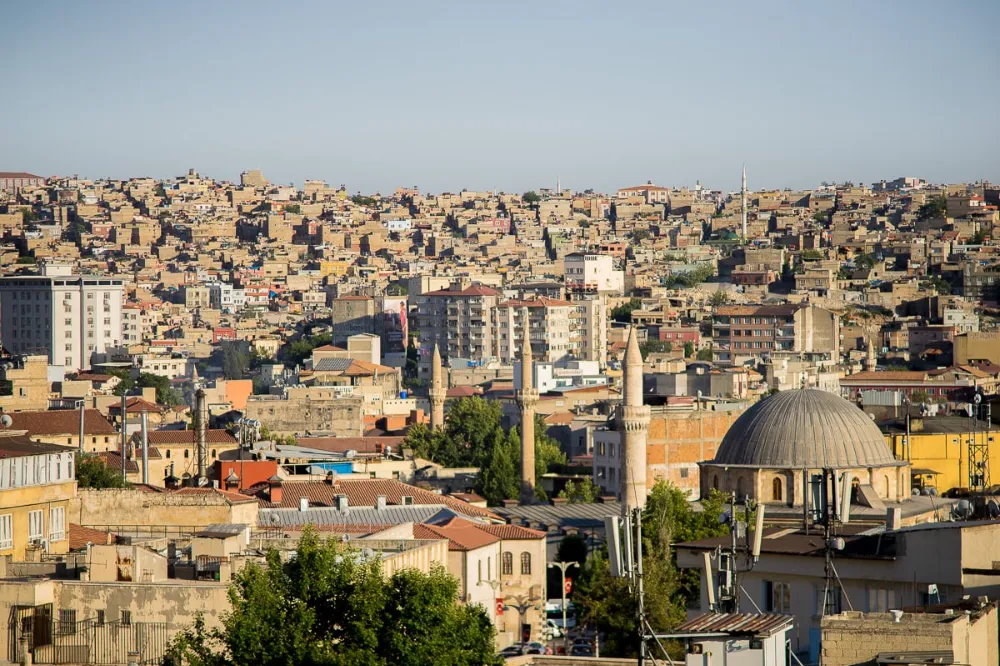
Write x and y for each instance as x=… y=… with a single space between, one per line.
x=993 y=509
x=977 y=398
x=6 y=421
x=963 y=509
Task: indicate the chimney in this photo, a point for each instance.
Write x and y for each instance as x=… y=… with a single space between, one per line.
x=274 y=489
x=893 y=519
x=380 y=503
x=303 y=504
x=232 y=481
x=342 y=503
x=329 y=478
x=201 y=424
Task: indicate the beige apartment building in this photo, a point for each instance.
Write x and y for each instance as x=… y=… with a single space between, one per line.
x=549 y=322
x=743 y=333
x=593 y=273
x=67 y=317
x=459 y=321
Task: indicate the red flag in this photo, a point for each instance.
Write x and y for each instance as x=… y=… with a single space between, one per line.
x=499 y=607
x=569 y=585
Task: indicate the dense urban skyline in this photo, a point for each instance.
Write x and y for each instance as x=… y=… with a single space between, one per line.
x=509 y=98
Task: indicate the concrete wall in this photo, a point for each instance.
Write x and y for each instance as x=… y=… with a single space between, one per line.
x=134 y=507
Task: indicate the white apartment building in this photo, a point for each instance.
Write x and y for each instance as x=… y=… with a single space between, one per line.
x=550 y=328
x=593 y=273
x=68 y=317
x=589 y=329
x=132 y=326
x=227 y=298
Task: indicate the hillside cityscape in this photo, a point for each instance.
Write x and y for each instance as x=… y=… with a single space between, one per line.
x=261 y=423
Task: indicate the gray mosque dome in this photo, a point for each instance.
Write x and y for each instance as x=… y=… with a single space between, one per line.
x=804 y=429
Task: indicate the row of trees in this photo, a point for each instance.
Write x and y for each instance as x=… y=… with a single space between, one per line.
x=473 y=436
x=165 y=393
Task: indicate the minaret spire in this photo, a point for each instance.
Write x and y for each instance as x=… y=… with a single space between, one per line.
x=633 y=426
x=527 y=398
x=437 y=392
x=743 y=202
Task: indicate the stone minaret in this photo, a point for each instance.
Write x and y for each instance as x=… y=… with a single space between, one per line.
x=633 y=424
x=743 y=202
x=527 y=398
x=437 y=392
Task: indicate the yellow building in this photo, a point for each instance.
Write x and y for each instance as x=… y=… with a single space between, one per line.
x=37 y=482
x=939 y=450
x=334 y=268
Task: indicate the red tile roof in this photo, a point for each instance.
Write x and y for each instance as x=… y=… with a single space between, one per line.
x=113 y=460
x=136 y=405
x=80 y=536
x=460 y=533
x=468 y=291
x=175 y=437
x=512 y=532
x=362 y=492
x=61 y=422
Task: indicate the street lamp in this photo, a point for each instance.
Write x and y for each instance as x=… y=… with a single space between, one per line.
x=563 y=566
x=523 y=605
x=496 y=585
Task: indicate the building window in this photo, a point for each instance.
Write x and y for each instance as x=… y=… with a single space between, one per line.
x=57 y=523
x=777 y=597
x=67 y=621
x=36 y=526
x=100 y=618
x=480 y=570
x=126 y=618
x=6 y=532
x=776 y=489
x=525 y=564
x=507 y=564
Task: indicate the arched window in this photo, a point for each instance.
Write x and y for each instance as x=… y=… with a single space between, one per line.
x=525 y=564
x=739 y=488
x=886 y=478
x=213 y=454
x=715 y=482
x=507 y=564
x=168 y=453
x=186 y=453
x=776 y=489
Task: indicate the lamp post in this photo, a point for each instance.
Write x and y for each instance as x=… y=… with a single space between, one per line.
x=563 y=566
x=523 y=605
x=496 y=585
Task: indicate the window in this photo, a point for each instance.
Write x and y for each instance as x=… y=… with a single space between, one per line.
x=507 y=564
x=6 y=532
x=126 y=618
x=776 y=489
x=881 y=600
x=67 y=621
x=100 y=618
x=777 y=597
x=480 y=570
x=833 y=600
x=57 y=524
x=525 y=564
x=36 y=526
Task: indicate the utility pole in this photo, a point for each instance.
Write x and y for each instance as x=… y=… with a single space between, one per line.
x=82 y=412
x=563 y=566
x=496 y=585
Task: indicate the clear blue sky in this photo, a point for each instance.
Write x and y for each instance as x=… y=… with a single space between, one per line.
x=503 y=94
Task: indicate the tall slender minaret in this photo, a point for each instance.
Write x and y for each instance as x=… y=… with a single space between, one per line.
x=558 y=187
x=437 y=392
x=633 y=425
x=743 y=202
x=527 y=398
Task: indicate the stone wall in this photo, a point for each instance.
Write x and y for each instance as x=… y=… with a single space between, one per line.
x=855 y=638
x=134 y=507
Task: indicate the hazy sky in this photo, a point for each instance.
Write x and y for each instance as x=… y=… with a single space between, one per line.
x=509 y=95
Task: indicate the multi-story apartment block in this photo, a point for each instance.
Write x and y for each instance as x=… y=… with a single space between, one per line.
x=743 y=333
x=459 y=321
x=549 y=321
x=593 y=273
x=37 y=482
x=225 y=297
x=132 y=327
x=197 y=297
x=589 y=330
x=14 y=181
x=68 y=317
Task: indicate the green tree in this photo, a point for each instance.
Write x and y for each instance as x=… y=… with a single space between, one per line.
x=470 y=424
x=811 y=255
x=655 y=347
x=640 y=235
x=821 y=216
x=718 y=298
x=329 y=606
x=573 y=548
x=26 y=259
x=531 y=198
x=934 y=208
x=498 y=479
x=235 y=360
x=91 y=472
x=547 y=455
x=359 y=200
x=605 y=602
x=165 y=394
x=580 y=492
x=29 y=215
x=623 y=313
x=688 y=349
x=295 y=209
x=704 y=355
